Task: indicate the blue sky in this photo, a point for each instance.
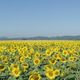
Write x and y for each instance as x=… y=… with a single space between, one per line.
x=27 y=18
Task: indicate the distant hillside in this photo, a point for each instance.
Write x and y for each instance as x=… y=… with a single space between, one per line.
x=44 y=38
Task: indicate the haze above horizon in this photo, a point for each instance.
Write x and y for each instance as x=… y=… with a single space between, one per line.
x=28 y=18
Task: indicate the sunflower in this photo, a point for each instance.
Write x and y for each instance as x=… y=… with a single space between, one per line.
x=2 y=68
x=48 y=52
x=5 y=59
x=65 y=53
x=57 y=72
x=50 y=74
x=31 y=50
x=72 y=58
x=35 y=76
x=15 y=72
x=37 y=54
x=25 y=66
x=22 y=59
x=57 y=56
x=14 y=66
x=52 y=61
x=36 y=61
x=48 y=67
x=63 y=60
x=26 y=55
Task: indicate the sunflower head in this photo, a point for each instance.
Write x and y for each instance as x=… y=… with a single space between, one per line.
x=36 y=61
x=22 y=59
x=2 y=68
x=35 y=76
x=52 y=61
x=15 y=72
x=14 y=66
x=50 y=74
x=25 y=66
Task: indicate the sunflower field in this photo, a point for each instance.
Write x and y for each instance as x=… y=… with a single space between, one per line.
x=40 y=60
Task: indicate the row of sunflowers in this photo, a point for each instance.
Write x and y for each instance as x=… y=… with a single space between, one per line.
x=39 y=60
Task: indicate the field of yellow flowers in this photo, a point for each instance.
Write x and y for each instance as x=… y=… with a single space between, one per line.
x=40 y=60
